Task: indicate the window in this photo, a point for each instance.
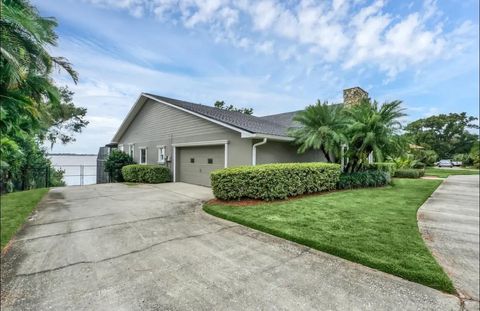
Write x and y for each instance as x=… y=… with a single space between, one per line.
x=192 y=160
x=131 y=150
x=143 y=155
x=210 y=161
x=161 y=154
x=120 y=148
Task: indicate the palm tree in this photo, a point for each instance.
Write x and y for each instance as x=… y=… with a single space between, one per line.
x=321 y=127
x=372 y=129
x=27 y=91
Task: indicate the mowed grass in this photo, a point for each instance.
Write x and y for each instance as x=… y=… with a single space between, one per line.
x=15 y=208
x=376 y=227
x=445 y=172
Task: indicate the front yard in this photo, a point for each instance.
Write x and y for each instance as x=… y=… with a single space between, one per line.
x=15 y=209
x=445 y=172
x=376 y=227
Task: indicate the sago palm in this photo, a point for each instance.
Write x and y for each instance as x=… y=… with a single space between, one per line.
x=371 y=129
x=320 y=127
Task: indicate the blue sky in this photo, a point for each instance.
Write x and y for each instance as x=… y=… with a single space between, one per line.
x=274 y=56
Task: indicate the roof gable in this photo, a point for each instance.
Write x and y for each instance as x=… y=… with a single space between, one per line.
x=247 y=125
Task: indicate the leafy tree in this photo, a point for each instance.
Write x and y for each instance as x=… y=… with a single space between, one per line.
x=322 y=127
x=114 y=163
x=221 y=105
x=66 y=119
x=428 y=157
x=31 y=102
x=446 y=134
x=474 y=154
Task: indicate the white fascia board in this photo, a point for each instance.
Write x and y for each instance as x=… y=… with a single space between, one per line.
x=202 y=143
x=199 y=115
x=272 y=137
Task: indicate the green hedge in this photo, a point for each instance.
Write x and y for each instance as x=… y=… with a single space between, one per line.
x=388 y=167
x=410 y=173
x=151 y=174
x=364 y=179
x=273 y=181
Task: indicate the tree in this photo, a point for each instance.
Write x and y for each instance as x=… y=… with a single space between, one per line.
x=446 y=134
x=366 y=128
x=221 y=105
x=372 y=129
x=66 y=119
x=322 y=127
x=31 y=102
x=114 y=163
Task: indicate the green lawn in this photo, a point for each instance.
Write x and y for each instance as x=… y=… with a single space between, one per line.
x=445 y=172
x=15 y=209
x=376 y=227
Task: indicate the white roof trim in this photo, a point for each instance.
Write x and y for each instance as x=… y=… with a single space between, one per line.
x=201 y=143
x=272 y=137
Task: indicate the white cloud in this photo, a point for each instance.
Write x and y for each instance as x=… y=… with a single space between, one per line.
x=337 y=31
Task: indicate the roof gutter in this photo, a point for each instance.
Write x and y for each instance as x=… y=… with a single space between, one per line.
x=254 y=151
x=271 y=137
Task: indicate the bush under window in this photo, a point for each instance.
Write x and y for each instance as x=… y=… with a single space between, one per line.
x=274 y=181
x=151 y=174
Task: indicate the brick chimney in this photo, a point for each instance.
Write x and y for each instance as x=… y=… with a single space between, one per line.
x=353 y=95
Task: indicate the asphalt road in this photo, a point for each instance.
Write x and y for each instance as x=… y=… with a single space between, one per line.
x=151 y=247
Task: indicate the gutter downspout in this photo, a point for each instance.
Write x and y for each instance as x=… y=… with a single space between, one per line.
x=254 y=151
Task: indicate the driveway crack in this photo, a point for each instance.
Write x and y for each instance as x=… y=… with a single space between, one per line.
x=124 y=254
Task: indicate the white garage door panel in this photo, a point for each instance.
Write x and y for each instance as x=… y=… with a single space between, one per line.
x=198 y=172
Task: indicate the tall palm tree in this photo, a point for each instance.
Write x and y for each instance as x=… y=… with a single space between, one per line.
x=371 y=129
x=25 y=68
x=320 y=127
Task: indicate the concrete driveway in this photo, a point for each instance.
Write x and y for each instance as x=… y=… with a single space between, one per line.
x=449 y=222
x=151 y=247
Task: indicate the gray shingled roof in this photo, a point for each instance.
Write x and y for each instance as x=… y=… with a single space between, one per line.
x=272 y=125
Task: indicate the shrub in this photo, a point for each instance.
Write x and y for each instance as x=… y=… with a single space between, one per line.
x=388 y=167
x=151 y=174
x=114 y=163
x=364 y=179
x=410 y=173
x=419 y=165
x=274 y=181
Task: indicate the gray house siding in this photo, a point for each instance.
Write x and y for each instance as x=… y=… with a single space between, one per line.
x=158 y=124
x=282 y=152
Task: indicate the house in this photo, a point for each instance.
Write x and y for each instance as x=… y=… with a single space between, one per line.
x=193 y=139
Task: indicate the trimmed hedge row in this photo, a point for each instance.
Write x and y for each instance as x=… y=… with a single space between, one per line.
x=384 y=166
x=151 y=174
x=410 y=173
x=274 y=181
x=364 y=179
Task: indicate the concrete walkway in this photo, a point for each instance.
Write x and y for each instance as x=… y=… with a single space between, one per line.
x=151 y=247
x=449 y=222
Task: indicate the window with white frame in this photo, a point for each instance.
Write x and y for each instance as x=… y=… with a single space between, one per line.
x=120 y=148
x=143 y=155
x=161 y=154
x=131 y=150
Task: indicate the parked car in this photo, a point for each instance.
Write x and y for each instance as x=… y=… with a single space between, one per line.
x=445 y=163
x=457 y=163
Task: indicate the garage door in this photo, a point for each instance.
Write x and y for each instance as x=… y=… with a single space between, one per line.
x=196 y=163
